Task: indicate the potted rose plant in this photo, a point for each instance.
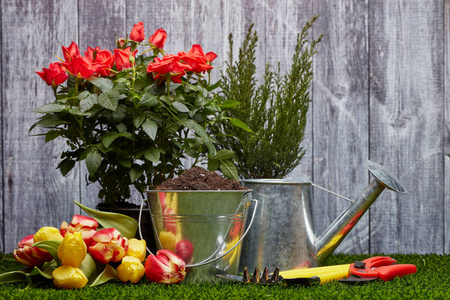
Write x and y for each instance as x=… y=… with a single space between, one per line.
x=133 y=114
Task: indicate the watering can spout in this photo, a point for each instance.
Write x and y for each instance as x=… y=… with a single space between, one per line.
x=339 y=228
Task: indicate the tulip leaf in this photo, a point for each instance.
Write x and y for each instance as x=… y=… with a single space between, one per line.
x=126 y=225
x=14 y=276
x=51 y=247
x=88 y=265
x=108 y=274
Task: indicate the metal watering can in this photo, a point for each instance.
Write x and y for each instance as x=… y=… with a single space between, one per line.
x=283 y=234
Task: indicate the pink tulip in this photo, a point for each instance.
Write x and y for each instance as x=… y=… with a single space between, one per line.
x=108 y=246
x=31 y=256
x=165 y=267
x=87 y=226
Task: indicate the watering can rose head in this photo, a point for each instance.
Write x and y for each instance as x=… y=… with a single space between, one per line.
x=163 y=103
x=165 y=267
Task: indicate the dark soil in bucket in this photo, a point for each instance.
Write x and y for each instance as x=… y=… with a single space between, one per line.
x=197 y=178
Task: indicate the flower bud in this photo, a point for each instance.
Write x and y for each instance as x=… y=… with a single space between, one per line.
x=47 y=234
x=108 y=246
x=86 y=225
x=31 y=256
x=68 y=277
x=137 y=248
x=165 y=267
x=72 y=250
x=131 y=269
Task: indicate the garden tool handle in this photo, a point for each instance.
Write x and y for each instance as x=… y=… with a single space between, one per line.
x=208 y=261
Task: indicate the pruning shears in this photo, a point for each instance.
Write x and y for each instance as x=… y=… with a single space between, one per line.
x=377 y=268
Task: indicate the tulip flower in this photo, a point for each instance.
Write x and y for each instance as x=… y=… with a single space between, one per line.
x=72 y=250
x=165 y=267
x=47 y=234
x=168 y=240
x=131 y=269
x=137 y=248
x=108 y=246
x=31 y=256
x=86 y=225
x=185 y=250
x=68 y=277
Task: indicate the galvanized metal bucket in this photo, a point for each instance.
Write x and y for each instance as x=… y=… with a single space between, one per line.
x=205 y=228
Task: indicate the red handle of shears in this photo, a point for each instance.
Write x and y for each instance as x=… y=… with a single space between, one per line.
x=382 y=267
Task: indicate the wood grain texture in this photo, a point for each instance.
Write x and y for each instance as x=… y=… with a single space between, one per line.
x=36 y=194
x=340 y=114
x=406 y=113
x=447 y=126
x=380 y=92
x=284 y=21
x=100 y=22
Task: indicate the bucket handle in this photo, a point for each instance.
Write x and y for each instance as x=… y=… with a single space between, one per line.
x=208 y=260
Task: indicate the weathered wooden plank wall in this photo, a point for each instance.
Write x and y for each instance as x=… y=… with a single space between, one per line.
x=380 y=92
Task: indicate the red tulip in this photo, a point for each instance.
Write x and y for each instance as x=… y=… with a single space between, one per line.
x=108 y=246
x=158 y=39
x=165 y=267
x=31 y=256
x=86 y=225
x=137 y=33
x=54 y=75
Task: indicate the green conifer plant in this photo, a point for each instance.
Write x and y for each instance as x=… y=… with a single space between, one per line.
x=275 y=110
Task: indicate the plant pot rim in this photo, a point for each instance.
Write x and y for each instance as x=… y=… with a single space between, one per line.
x=286 y=181
x=198 y=191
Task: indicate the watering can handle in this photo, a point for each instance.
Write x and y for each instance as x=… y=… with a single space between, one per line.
x=208 y=261
x=333 y=193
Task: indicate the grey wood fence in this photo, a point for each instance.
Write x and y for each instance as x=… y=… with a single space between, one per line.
x=380 y=92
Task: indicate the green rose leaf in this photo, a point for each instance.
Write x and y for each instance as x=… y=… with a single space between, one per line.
x=52 y=134
x=229 y=170
x=104 y=84
x=229 y=104
x=93 y=161
x=152 y=154
x=65 y=166
x=191 y=124
x=138 y=120
x=224 y=154
x=50 y=108
x=126 y=225
x=88 y=102
x=180 y=107
x=108 y=138
x=240 y=124
x=148 y=100
x=213 y=164
x=150 y=128
x=109 y=99
x=135 y=173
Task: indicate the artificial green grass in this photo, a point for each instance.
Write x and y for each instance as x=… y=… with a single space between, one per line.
x=432 y=281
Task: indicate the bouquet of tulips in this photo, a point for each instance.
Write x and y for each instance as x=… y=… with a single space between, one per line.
x=81 y=252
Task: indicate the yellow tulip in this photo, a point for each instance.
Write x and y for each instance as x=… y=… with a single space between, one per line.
x=131 y=269
x=72 y=250
x=168 y=240
x=47 y=234
x=137 y=248
x=68 y=277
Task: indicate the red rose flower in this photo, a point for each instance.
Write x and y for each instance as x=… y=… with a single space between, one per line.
x=71 y=52
x=137 y=33
x=196 y=58
x=82 y=67
x=171 y=65
x=158 y=39
x=122 y=58
x=103 y=57
x=54 y=75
